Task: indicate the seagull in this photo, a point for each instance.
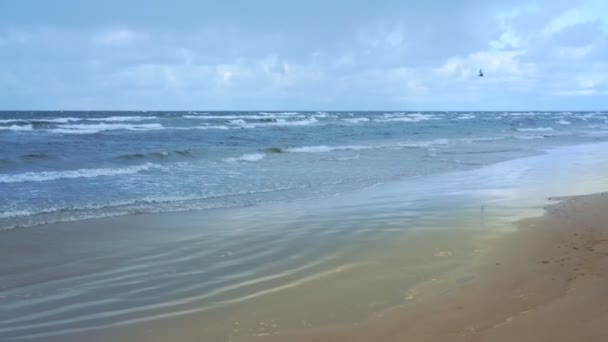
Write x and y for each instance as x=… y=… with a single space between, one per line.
x=480 y=73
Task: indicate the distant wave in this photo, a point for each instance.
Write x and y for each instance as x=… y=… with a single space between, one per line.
x=41 y=120
x=75 y=119
x=79 y=173
x=529 y=137
x=466 y=117
x=325 y=148
x=535 y=129
x=260 y=116
x=17 y=128
x=248 y=157
x=96 y=128
x=521 y=114
x=122 y=118
x=355 y=120
x=284 y=113
x=563 y=122
x=407 y=117
x=157 y=155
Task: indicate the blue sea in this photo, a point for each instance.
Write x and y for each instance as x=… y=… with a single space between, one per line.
x=66 y=166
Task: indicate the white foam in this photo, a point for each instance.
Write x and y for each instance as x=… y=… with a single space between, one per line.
x=238 y=122
x=521 y=114
x=277 y=123
x=248 y=157
x=17 y=128
x=563 y=122
x=16 y=213
x=324 y=149
x=122 y=118
x=529 y=137
x=281 y=113
x=407 y=117
x=95 y=128
x=535 y=129
x=79 y=173
x=466 y=117
x=356 y=120
x=203 y=127
x=429 y=143
x=259 y=116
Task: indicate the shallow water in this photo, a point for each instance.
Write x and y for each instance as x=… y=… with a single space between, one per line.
x=322 y=260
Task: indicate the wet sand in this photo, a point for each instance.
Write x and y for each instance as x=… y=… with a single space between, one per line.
x=547 y=281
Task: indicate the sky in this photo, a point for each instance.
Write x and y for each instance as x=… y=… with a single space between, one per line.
x=303 y=55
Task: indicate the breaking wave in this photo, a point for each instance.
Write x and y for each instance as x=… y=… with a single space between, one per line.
x=96 y=128
x=79 y=173
x=536 y=129
x=248 y=157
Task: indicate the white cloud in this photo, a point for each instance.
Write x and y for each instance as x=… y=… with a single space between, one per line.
x=117 y=36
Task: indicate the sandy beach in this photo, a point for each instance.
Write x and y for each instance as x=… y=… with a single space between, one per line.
x=546 y=281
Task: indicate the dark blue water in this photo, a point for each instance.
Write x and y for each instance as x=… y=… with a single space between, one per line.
x=66 y=166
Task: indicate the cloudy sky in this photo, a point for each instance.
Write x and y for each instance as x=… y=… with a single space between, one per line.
x=313 y=54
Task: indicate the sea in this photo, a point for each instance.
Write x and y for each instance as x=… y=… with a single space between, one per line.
x=68 y=166
x=241 y=226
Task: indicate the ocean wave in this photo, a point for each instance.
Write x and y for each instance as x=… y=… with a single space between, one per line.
x=563 y=122
x=239 y=123
x=22 y=218
x=407 y=117
x=260 y=116
x=356 y=120
x=79 y=173
x=41 y=120
x=96 y=128
x=529 y=137
x=535 y=129
x=98 y=206
x=17 y=128
x=521 y=114
x=466 y=117
x=325 y=148
x=248 y=157
x=122 y=118
x=284 y=113
x=158 y=155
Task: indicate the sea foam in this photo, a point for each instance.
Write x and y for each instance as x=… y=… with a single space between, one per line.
x=96 y=128
x=248 y=157
x=79 y=173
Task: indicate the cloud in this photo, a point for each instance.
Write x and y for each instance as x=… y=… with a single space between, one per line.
x=237 y=55
x=116 y=37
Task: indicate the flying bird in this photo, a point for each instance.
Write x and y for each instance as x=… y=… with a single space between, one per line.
x=480 y=73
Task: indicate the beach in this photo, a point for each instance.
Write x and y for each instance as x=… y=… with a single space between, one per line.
x=484 y=254
x=546 y=281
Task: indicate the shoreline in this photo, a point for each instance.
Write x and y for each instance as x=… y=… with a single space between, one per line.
x=545 y=281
